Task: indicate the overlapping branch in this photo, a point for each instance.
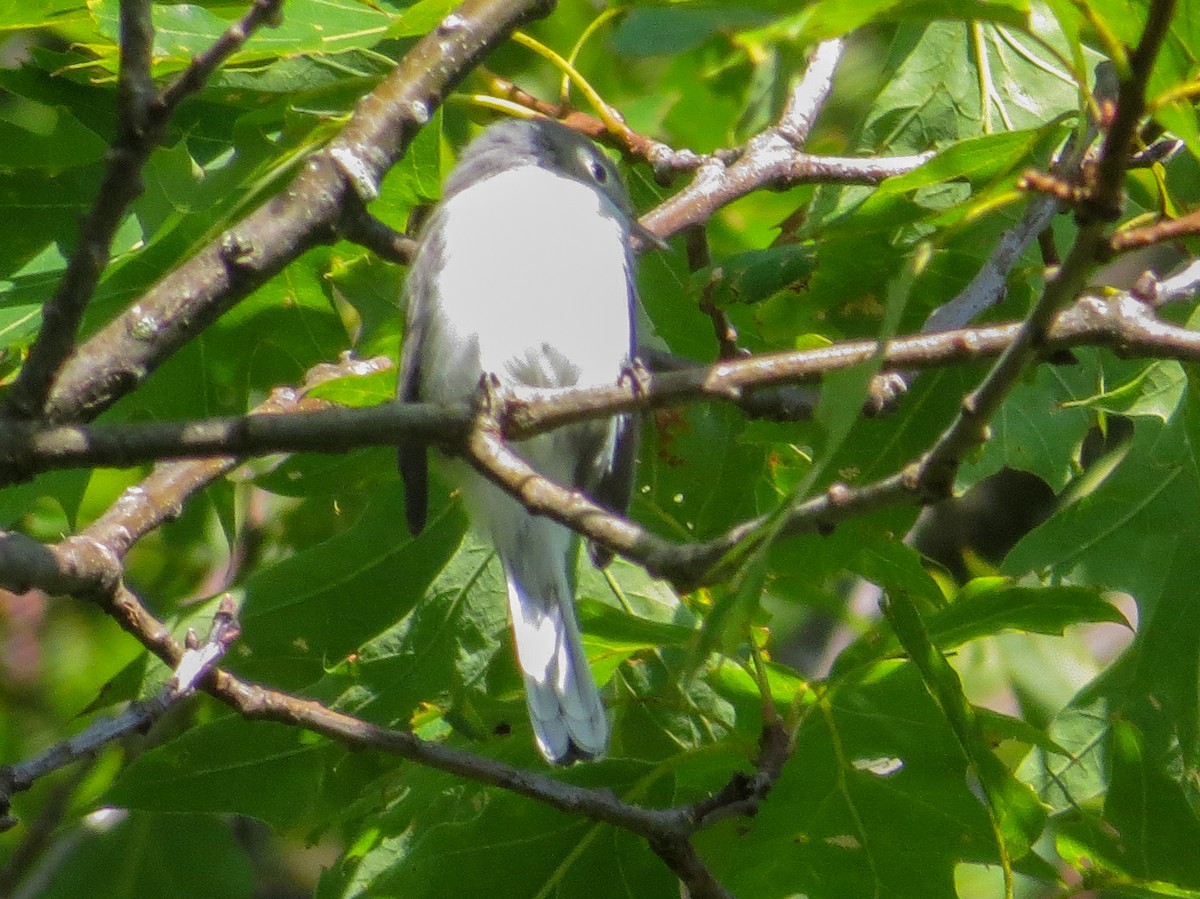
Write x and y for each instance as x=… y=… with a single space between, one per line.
x=936 y=470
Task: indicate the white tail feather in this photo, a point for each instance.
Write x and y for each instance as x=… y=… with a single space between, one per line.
x=568 y=717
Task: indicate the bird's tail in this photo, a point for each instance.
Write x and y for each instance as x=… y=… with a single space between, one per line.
x=568 y=718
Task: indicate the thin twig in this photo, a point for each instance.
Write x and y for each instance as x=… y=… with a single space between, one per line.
x=359 y=226
x=988 y=286
x=193 y=666
x=1160 y=232
x=809 y=93
x=1105 y=203
x=1183 y=285
x=196 y=75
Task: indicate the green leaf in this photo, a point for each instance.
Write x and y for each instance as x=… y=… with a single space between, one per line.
x=453 y=651
x=1003 y=80
x=183 y=30
x=851 y=815
x=501 y=839
x=34 y=136
x=358 y=390
x=65 y=488
x=312 y=610
x=143 y=855
x=417 y=177
x=671 y=30
x=366 y=293
x=1132 y=533
x=623 y=611
x=1016 y=814
x=264 y=770
x=442 y=648
x=713 y=491
x=1153 y=813
x=45 y=13
x=1043 y=422
x=979 y=160
x=755 y=276
x=992 y=605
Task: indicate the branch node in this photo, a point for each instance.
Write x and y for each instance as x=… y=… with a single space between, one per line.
x=839 y=494
x=1146 y=289
x=452 y=24
x=362 y=174
x=1061 y=189
x=910 y=477
x=237 y=251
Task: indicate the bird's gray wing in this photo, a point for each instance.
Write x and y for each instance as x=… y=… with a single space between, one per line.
x=612 y=487
x=413 y=459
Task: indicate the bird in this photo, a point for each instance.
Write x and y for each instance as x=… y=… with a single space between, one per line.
x=525 y=275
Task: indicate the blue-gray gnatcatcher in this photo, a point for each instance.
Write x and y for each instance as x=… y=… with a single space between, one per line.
x=525 y=273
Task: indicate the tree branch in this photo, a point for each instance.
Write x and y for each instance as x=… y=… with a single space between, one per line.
x=196 y=75
x=937 y=470
x=189 y=298
x=194 y=664
x=88 y=569
x=89 y=566
x=773 y=158
x=1123 y=321
x=142 y=117
x=1104 y=202
x=809 y=93
x=1160 y=232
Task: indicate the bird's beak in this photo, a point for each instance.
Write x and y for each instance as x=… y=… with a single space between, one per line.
x=643 y=238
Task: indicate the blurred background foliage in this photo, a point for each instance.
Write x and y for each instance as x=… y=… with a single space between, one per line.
x=998 y=716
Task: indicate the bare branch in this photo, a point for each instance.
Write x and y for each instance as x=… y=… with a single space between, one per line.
x=789 y=167
x=773 y=158
x=774 y=165
x=135 y=86
x=1159 y=232
x=680 y=856
x=1125 y=321
x=804 y=168
x=359 y=226
x=1105 y=201
x=988 y=286
x=937 y=469
x=142 y=121
x=194 y=664
x=1183 y=285
x=185 y=301
x=315 y=426
x=809 y=93
x=196 y=75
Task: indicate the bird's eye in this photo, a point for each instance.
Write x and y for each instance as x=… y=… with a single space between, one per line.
x=594 y=166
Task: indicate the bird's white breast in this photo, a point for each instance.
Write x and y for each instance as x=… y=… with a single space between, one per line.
x=534 y=260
